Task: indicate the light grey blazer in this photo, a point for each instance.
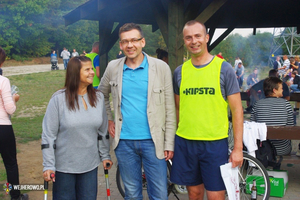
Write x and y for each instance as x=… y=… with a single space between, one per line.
x=160 y=109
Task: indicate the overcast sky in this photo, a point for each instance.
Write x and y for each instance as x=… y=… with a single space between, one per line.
x=242 y=31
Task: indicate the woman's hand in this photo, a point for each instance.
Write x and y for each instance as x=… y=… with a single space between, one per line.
x=46 y=175
x=106 y=163
x=16 y=97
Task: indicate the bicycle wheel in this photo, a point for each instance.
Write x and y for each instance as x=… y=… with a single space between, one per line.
x=181 y=189
x=121 y=189
x=250 y=170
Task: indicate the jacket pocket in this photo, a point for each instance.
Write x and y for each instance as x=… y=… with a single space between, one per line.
x=159 y=97
x=113 y=86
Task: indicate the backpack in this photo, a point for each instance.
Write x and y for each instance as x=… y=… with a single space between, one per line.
x=266 y=154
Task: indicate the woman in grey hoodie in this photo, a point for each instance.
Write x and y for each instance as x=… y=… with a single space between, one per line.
x=74 y=138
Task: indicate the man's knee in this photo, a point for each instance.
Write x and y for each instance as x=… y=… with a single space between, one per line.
x=215 y=195
x=196 y=192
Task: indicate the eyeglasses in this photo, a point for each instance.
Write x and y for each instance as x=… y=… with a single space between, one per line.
x=133 y=41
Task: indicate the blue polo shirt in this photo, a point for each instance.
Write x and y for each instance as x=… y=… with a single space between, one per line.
x=134 y=103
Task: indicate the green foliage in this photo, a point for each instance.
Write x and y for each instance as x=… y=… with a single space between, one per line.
x=253 y=50
x=2 y=175
x=19 y=58
x=31 y=28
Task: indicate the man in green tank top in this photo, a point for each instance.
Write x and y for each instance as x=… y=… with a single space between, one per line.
x=204 y=86
x=95 y=62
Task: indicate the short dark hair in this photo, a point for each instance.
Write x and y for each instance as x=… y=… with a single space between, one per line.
x=131 y=26
x=2 y=56
x=270 y=84
x=192 y=22
x=273 y=73
x=161 y=53
x=72 y=83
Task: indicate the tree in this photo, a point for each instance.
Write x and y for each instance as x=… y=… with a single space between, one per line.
x=252 y=50
x=27 y=26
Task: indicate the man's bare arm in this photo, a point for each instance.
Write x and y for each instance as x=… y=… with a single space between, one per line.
x=236 y=108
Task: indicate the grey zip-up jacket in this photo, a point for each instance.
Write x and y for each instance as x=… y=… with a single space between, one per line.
x=74 y=135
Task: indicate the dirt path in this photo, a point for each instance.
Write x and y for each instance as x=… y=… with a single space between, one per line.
x=27 y=69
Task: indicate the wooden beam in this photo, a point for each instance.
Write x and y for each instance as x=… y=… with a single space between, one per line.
x=293 y=97
x=284 y=132
x=175 y=25
x=161 y=17
x=210 y=10
x=103 y=63
x=191 y=12
x=217 y=41
x=254 y=31
x=105 y=27
x=114 y=36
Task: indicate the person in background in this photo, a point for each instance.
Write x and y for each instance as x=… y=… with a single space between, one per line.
x=252 y=78
x=120 y=55
x=220 y=55
x=237 y=61
x=297 y=63
x=74 y=53
x=239 y=71
x=53 y=58
x=274 y=111
x=93 y=55
x=204 y=86
x=285 y=66
x=83 y=53
x=53 y=54
x=74 y=138
x=144 y=122
x=277 y=63
x=8 y=149
x=162 y=55
x=257 y=92
x=65 y=54
x=295 y=85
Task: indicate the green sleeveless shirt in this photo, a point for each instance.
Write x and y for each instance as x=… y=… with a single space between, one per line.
x=203 y=111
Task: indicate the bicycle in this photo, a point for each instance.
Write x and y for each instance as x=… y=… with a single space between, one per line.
x=251 y=169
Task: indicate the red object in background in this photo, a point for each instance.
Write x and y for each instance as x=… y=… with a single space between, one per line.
x=220 y=56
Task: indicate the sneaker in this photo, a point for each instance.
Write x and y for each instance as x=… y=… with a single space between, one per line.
x=298 y=153
x=22 y=197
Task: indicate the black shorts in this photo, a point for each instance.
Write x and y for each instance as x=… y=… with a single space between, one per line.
x=196 y=162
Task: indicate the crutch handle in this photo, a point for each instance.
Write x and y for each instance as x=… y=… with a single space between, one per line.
x=105 y=170
x=45 y=185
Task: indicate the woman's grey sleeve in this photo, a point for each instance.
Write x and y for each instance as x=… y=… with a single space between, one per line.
x=50 y=131
x=103 y=138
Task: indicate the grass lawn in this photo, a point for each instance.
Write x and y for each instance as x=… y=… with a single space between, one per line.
x=35 y=91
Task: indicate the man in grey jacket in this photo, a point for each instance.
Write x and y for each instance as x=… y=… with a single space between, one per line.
x=145 y=122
